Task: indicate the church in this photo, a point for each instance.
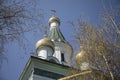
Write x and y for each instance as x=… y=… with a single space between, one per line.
x=53 y=60
x=54 y=55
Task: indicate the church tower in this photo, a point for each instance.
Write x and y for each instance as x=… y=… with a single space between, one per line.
x=53 y=58
x=82 y=60
x=63 y=50
x=54 y=47
x=44 y=48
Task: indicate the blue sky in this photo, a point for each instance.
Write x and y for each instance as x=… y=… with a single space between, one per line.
x=66 y=10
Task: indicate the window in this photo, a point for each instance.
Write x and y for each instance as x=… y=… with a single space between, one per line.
x=62 y=57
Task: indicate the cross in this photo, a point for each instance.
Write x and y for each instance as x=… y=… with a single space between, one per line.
x=53 y=12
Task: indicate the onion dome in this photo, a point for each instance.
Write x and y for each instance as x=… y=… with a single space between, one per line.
x=55 y=33
x=53 y=19
x=44 y=42
x=82 y=56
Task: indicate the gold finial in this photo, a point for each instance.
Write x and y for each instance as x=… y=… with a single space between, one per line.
x=53 y=12
x=54 y=18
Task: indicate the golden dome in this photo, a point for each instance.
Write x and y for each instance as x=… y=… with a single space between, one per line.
x=45 y=42
x=54 y=18
x=81 y=57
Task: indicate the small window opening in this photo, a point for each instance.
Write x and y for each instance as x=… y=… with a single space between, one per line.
x=62 y=57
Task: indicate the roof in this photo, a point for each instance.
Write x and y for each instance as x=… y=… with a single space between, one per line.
x=56 y=34
x=35 y=62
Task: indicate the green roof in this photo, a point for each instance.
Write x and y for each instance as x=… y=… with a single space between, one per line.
x=44 y=65
x=56 y=35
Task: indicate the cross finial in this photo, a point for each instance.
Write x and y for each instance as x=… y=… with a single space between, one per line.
x=53 y=12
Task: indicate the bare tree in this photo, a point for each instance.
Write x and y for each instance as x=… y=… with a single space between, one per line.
x=15 y=20
x=102 y=43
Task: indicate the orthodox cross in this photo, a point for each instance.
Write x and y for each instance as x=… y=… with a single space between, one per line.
x=53 y=12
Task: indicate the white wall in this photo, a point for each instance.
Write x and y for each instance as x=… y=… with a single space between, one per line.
x=44 y=52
